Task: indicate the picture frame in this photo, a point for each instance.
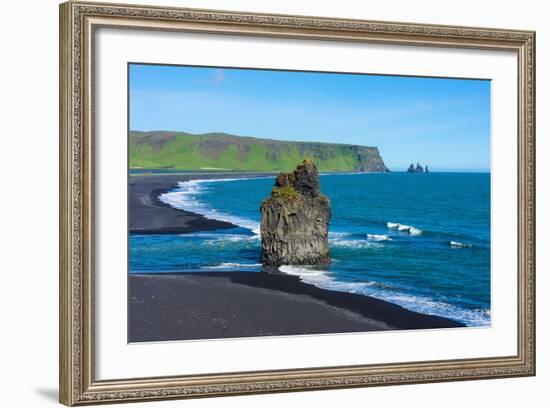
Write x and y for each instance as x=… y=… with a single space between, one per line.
x=79 y=23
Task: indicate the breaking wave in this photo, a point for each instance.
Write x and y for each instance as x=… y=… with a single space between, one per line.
x=186 y=197
x=416 y=303
x=349 y=240
x=232 y=265
x=404 y=228
x=378 y=237
x=456 y=244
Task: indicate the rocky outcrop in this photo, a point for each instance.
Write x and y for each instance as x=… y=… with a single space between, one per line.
x=417 y=169
x=294 y=225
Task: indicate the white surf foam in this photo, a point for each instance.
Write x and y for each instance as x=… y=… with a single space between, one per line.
x=456 y=244
x=404 y=228
x=378 y=237
x=338 y=235
x=420 y=304
x=232 y=265
x=415 y=231
x=352 y=243
x=224 y=239
x=186 y=197
x=346 y=240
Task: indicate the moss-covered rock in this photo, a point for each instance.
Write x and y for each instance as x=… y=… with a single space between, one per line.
x=285 y=193
x=295 y=219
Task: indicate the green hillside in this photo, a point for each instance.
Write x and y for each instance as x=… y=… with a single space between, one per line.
x=219 y=151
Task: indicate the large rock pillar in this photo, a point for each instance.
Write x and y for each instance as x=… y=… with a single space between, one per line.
x=294 y=226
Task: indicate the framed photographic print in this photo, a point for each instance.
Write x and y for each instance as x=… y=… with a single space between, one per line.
x=262 y=203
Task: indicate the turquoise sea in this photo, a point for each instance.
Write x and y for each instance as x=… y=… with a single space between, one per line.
x=418 y=240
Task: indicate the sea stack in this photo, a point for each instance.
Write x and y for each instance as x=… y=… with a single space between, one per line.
x=417 y=169
x=294 y=226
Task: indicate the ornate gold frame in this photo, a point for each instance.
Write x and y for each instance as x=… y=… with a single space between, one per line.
x=78 y=21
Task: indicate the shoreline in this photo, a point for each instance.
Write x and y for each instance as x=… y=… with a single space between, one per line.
x=148 y=215
x=211 y=305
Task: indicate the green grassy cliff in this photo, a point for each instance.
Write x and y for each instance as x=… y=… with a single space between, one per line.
x=219 y=151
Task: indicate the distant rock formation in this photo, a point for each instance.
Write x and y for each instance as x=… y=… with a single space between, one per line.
x=294 y=225
x=417 y=169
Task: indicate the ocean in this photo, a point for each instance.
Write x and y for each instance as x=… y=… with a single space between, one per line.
x=418 y=240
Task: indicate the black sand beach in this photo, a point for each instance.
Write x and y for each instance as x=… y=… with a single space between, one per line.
x=185 y=306
x=149 y=215
x=242 y=304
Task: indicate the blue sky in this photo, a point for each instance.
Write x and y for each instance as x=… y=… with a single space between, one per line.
x=444 y=123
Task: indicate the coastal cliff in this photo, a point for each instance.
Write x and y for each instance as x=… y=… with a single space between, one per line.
x=221 y=151
x=294 y=224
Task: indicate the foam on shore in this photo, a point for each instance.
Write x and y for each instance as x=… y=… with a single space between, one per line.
x=415 y=303
x=186 y=197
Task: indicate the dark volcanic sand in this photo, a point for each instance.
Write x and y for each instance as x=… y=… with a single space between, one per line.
x=189 y=306
x=149 y=215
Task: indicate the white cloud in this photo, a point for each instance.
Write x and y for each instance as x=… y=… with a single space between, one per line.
x=219 y=76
